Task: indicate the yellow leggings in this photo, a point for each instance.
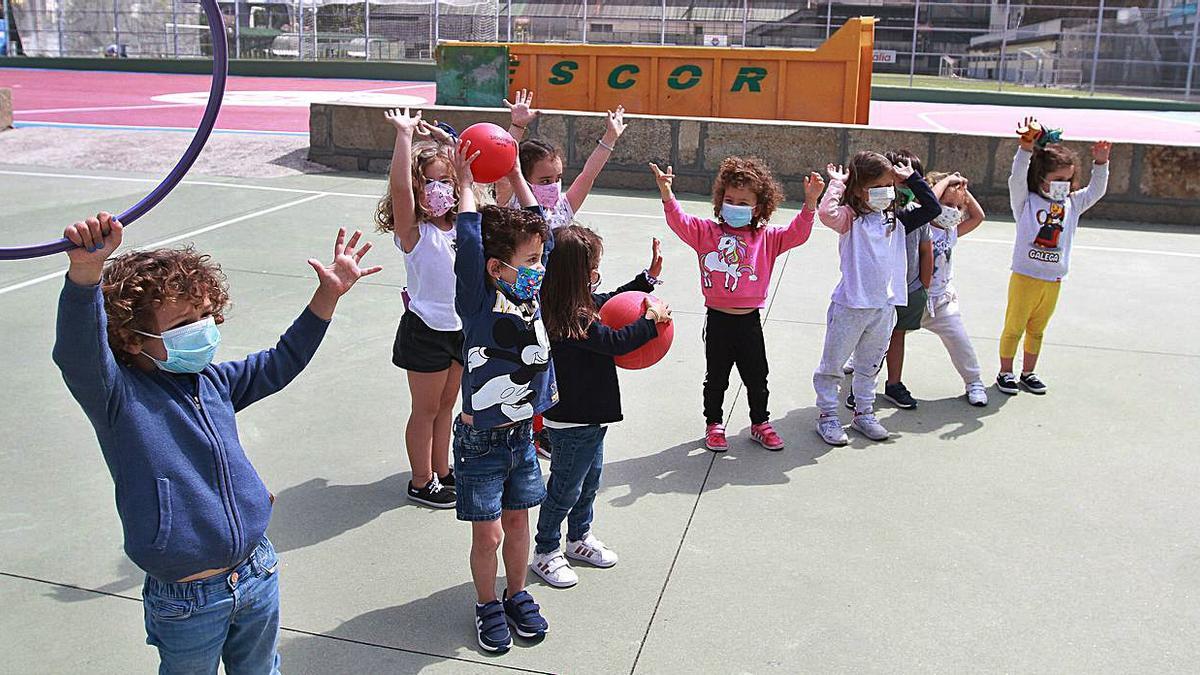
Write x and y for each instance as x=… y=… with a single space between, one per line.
x=1030 y=305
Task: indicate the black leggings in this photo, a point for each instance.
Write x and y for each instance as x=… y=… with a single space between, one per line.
x=729 y=340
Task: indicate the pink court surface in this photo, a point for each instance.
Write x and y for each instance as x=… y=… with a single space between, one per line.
x=280 y=105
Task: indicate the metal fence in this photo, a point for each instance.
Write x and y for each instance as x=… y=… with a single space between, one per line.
x=1133 y=46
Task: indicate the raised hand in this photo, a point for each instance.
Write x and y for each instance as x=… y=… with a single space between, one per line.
x=837 y=172
x=614 y=125
x=1100 y=152
x=435 y=132
x=522 y=110
x=402 y=120
x=665 y=180
x=1029 y=130
x=656 y=259
x=903 y=170
x=341 y=275
x=95 y=239
x=463 y=159
x=814 y=185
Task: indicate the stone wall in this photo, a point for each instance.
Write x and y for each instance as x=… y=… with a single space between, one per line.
x=1148 y=183
x=5 y=109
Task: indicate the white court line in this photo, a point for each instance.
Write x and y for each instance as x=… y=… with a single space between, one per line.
x=103 y=108
x=203 y=183
x=607 y=214
x=170 y=240
x=924 y=117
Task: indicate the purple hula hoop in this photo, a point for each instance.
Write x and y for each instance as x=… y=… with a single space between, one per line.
x=216 y=27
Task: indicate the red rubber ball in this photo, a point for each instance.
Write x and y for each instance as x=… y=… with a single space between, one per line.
x=622 y=310
x=497 y=151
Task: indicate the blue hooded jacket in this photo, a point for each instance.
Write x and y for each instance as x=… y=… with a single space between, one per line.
x=188 y=497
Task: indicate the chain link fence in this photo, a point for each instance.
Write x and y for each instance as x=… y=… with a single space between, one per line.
x=1137 y=47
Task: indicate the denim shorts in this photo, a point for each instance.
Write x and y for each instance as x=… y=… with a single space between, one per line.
x=495 y=469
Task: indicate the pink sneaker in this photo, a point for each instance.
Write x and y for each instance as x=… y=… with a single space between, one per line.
x=765 y=435
x=714 y=438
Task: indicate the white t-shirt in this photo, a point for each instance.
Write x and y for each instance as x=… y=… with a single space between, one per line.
x=874 y=263
x=431 y=280
x=560 y=216
x=943 y=241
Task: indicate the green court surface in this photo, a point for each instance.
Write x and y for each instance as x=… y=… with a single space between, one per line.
x=1038 y=534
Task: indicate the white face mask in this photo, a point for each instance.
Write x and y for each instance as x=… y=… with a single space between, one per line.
x=949 y=217
x=879 y=198
x=1059 y=190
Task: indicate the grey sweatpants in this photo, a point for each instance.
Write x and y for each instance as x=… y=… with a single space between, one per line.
x=946 y=321
x=863 y=333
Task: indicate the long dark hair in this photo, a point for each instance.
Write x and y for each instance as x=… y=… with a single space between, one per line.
x=1048 y=159
x=567 y=306
x=535 y=150
x=865 y=167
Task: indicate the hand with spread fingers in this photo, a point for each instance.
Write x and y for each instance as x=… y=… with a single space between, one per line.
x=335 y=279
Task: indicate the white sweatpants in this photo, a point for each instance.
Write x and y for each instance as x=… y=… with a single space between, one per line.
x=863 y=333
x=946 y=322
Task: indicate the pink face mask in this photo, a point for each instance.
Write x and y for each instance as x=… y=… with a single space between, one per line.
x=547 y=195
x=440 y=197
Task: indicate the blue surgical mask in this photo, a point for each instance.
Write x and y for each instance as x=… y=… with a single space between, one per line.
x=189 y=348
x=529 y=282
x=736 y=215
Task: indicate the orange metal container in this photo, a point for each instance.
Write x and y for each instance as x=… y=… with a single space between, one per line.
x=829 y=84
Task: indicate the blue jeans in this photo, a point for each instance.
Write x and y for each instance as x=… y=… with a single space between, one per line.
x=232 y=616
x=495 y=470
x=575 y=466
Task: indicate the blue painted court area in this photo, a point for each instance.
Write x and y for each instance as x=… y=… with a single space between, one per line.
x=1047 y=534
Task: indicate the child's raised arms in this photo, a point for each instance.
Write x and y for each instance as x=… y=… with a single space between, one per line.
x=582 y=186
x=97 y=239
x=1101 y=151
x=463 y=159
x=404 y=208
x=837 y=172
x=814 y=185
x=664 y=180
x=522 y=113
x=335 y=279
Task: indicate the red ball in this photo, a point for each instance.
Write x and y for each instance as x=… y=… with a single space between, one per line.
x=497 y=151
x=622 y=310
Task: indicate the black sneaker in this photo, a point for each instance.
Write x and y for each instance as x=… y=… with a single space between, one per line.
x=447 y=481
x=434 y=494
x=1007 y=384
x=523 y=615
x=850 y=401
x=899 y=394
x=1033 y=384
x=491 y=627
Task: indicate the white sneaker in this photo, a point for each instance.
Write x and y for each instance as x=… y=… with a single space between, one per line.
x=592 y=551
x=977 y=394
x=554 y=569
x=869 y=426
x=829 y=427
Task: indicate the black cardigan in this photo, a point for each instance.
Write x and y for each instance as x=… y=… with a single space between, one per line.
x=588 y=391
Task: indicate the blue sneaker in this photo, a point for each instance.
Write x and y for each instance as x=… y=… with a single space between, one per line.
x=522 y=613
x=490 y=627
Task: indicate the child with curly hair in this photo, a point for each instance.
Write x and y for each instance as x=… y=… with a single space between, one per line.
x=737 y=253
x=135 y=343
x=418 y=211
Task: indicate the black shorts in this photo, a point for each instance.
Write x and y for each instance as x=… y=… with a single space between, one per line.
x=422 y=349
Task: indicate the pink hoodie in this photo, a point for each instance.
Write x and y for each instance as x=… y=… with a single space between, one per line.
x=736 y=263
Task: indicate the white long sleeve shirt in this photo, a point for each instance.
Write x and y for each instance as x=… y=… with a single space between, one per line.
x=1032 y=211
